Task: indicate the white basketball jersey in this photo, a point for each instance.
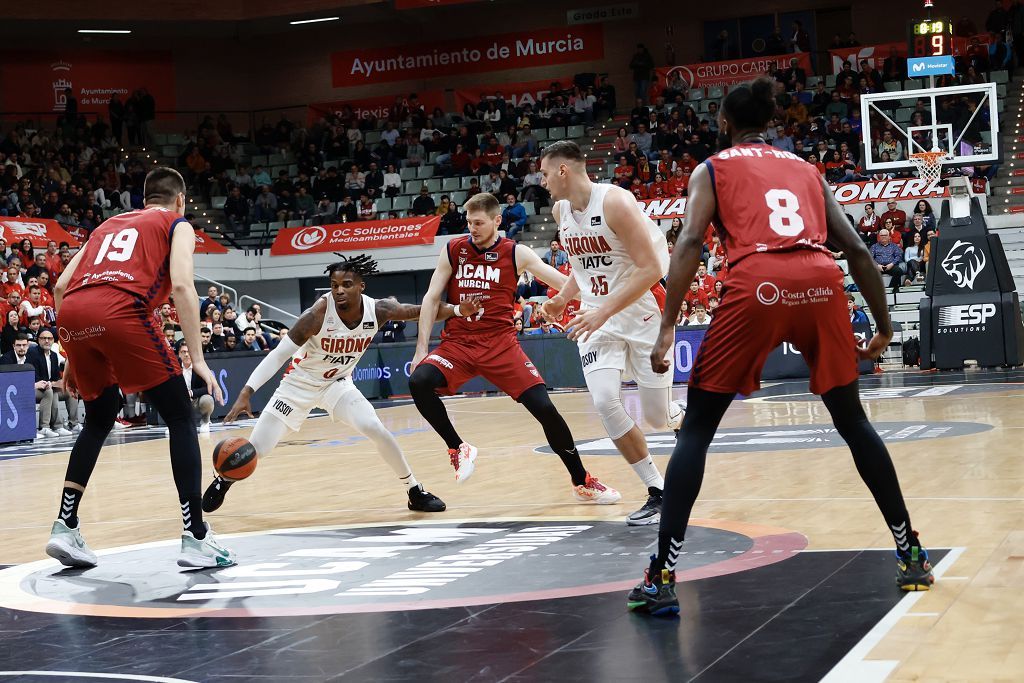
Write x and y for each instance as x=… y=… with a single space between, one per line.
x=600 y=262
x=332 y=353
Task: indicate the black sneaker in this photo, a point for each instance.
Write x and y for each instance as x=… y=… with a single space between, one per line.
x=422 y=501
x=215 y=492
x=650 y=513
x=656 y=597
x=913 y=570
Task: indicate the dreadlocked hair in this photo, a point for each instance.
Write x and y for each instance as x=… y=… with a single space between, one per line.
x=362 y=265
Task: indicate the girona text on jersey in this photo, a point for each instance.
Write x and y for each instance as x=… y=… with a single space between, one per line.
x=592 y=250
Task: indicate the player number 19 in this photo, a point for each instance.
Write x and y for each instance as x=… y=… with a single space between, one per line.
x=784 y=218
x=118 y=246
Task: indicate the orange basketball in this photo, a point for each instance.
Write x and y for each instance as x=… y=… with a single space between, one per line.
x=234 y=458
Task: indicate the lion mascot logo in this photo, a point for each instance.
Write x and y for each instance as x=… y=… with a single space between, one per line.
x=964 y=263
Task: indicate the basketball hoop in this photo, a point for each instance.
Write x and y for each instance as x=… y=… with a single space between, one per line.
x=929 y=165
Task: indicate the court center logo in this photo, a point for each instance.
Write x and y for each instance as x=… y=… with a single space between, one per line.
x=310 y=237
x=387 y=567
x=768 y=293
x=964 y=264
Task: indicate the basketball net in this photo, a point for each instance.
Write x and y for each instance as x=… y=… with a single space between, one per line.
x=929 y=165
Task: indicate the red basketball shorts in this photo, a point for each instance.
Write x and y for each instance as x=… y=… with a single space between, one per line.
x=499 y=360
x=768 y=299
x=111 y=337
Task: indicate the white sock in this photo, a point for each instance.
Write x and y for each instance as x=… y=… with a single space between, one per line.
x=408 y=481
x=648 y=473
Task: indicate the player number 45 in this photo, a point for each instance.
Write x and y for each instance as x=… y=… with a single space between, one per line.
x=118 y=246
x=599 y=285
x=784 y=217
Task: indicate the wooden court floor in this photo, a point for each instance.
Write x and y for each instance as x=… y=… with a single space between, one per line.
x=965 y=493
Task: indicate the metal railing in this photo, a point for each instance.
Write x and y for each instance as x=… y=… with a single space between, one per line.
x=265 y=305
x=224 y=287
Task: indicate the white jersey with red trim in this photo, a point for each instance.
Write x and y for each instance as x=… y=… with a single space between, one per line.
x=332 y=353
x=601 y=265
x=600 y=262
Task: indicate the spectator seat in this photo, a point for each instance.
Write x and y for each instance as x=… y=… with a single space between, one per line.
x=425 y=171
x=573 y=132
x=217 y=202
x=407 y=173
x=401 y=203
x=450 y=184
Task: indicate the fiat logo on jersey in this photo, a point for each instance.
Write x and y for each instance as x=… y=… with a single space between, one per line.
x=768 y=293
x=307 y=238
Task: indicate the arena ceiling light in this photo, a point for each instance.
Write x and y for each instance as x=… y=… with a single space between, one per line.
x=313 y=21
x=104 y=30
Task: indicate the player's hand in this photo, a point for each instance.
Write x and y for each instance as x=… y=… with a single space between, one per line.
x=552 y=309
x=417 y=358
x=659 y=356
x=70 y=385
x=471 y=305
x=875 y=347
x=241 y=405
x=206 y=374
x=586 y=323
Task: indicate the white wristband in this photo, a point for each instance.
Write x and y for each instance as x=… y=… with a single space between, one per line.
x=458 y=312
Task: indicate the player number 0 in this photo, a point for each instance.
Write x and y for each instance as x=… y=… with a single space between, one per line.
x=784 y=218
x=118 y=246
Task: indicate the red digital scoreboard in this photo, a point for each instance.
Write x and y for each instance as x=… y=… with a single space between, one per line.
x=930 y=38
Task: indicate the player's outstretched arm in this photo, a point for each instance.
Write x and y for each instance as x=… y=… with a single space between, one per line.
x=528 y=260
x=863 y=270
x=624 y=217
x=65 y=279
x=186 y=300
x=431 y=301
x=391 y=309
x=311 y=320
x=700 y=209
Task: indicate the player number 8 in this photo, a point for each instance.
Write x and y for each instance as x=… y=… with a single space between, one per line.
x=784 y=218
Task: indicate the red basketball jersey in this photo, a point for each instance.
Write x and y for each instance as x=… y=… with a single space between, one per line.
x=490 y=272
x=131 y=253
x=769 y=200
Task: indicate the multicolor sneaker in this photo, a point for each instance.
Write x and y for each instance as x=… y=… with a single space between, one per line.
x=462 y=460
x=205 y=554
x=593 y=491
x=650 y=513
x=913 y=570
x=67 y=546
x=656 y=596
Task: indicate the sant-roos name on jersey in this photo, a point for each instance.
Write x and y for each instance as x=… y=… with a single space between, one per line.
x=589 y=249
x=477 y=276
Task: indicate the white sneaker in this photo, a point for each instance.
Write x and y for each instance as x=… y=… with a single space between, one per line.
x=204 y=428
x=62 y=431
x=204 y=554
x=462 y=461
x=67 y=546
x=48 y=433
x=676 y=411
x=40 y=435
x=593 y=491
x=76 y=429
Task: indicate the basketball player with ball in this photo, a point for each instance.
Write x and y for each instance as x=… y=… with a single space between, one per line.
x=332 y=334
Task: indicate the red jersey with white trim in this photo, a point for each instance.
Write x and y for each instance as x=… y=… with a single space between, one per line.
x=769 y=200
x=490 y=272
x=130 y=252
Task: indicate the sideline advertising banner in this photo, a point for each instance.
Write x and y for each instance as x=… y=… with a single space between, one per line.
x=516 y=94
x=520 y=50
x=731 y=72
x=36 y=81
x=17 y=403
x=374 y=107
x=207 y=245
x=394 y=232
